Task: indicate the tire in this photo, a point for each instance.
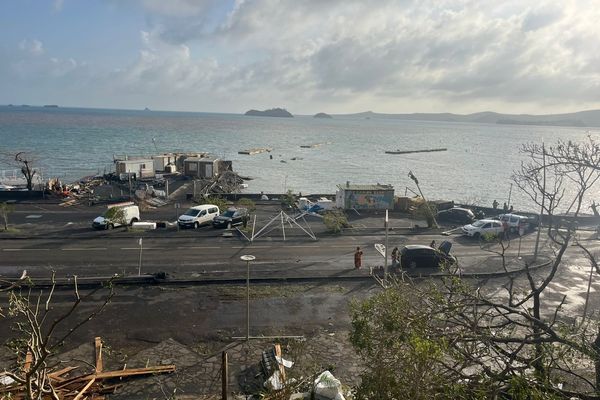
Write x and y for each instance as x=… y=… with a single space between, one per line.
x=133 y=220
x=229 y=225
x=477 y=235
x=196 y=225
x=110 y=227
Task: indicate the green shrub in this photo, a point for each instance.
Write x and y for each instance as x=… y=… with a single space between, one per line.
x=335 y=221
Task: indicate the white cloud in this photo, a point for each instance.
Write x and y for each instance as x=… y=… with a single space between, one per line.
x=32 y=46
x=351 y=55
x=398 y=51
x=58 y=5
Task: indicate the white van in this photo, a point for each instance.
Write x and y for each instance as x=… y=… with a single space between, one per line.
x=131 y=214
x=515 y=222
x=198 y=215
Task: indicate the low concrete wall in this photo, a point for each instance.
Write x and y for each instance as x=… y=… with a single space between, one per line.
x=18 y=195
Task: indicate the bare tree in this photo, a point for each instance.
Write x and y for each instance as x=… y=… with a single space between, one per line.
x=37 y=339
x=452 y=339
x=24 y=161
x=5 y=210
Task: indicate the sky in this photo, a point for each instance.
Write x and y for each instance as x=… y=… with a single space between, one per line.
x=308 y=56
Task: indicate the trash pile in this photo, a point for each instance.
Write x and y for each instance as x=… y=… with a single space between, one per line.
x=77 y=193
x=63 y=384
x=227 y=182
x=324 y=387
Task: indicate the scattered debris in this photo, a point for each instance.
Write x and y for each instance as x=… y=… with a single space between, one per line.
x=79 y=387
x=256 y=150
x=227 y=182
x=314 y=145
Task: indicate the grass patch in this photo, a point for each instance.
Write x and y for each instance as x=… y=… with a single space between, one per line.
x=10 y=230
x=238 y=292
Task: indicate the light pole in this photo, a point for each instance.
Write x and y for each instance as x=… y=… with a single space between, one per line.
x=140 y=263
x=247 y=258
x=385 y=263
x=416 y=181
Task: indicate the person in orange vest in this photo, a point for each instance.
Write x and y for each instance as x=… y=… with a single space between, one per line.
x=358 y=258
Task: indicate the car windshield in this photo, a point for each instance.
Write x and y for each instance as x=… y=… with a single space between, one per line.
x=192 y=212
x=478 y=223
x=228 y=213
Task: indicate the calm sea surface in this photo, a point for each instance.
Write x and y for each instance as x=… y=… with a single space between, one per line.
x=72 y=143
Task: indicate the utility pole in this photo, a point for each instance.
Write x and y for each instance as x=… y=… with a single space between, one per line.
x=385 y=263
x=140 y=264
x=248 y=258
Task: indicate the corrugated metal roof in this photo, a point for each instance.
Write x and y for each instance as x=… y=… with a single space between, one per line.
x=206 y=159
x=366 y=187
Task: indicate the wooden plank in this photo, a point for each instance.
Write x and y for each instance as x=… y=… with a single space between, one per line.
x=28 y=361
x=85 y=388
x=56 y=375
x=120 y=374
x=98 y=345
x=281 y=367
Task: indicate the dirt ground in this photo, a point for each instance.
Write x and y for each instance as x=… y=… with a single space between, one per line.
x=191 y=326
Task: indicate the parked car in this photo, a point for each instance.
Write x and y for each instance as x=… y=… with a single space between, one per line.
x=419 y=256
x=198 y=215
x=110 y=219
x=457 y=214
x=231 y=217
x=483 y=227
x=516 y=221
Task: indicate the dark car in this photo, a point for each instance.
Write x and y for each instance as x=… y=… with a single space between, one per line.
x=419 y=256
x=458 y=215
x=231 y=217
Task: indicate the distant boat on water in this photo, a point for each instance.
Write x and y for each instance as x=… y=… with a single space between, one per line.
x=50 y=106
x=147 y=109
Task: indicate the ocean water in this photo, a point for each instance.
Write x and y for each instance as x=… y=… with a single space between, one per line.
x=71 y=143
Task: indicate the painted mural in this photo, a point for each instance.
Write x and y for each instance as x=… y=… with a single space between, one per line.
x=373 y=200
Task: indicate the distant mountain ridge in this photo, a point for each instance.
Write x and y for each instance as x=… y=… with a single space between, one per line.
x=587 y=118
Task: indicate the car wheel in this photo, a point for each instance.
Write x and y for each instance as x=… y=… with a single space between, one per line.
x=477 y=235
x=196 y=225
x=133 y=220
x=229 y=225
x=110 y=226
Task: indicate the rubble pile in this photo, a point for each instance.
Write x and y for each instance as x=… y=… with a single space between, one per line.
x=227 y=182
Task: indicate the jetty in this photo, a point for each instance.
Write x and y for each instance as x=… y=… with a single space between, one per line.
x=256 y=150
x=414 y=151
x=314 y=145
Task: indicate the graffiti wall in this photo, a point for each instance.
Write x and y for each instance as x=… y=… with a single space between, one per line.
x=371 y=200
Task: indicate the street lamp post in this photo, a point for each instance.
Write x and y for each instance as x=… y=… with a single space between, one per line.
x=248 y=258
x=385 y=263
x=416 y=181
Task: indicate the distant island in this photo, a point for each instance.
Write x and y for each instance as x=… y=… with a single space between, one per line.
x=589 y=118
x=273 y=112
x=322 y=115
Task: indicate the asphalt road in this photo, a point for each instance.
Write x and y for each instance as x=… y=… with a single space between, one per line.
x=50 y=238
x=109 y=255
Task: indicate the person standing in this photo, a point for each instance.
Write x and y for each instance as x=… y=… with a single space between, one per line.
x=505 y=228
x=395 y=258
x=505 y=207
x=495 y=204
x=358 y=258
